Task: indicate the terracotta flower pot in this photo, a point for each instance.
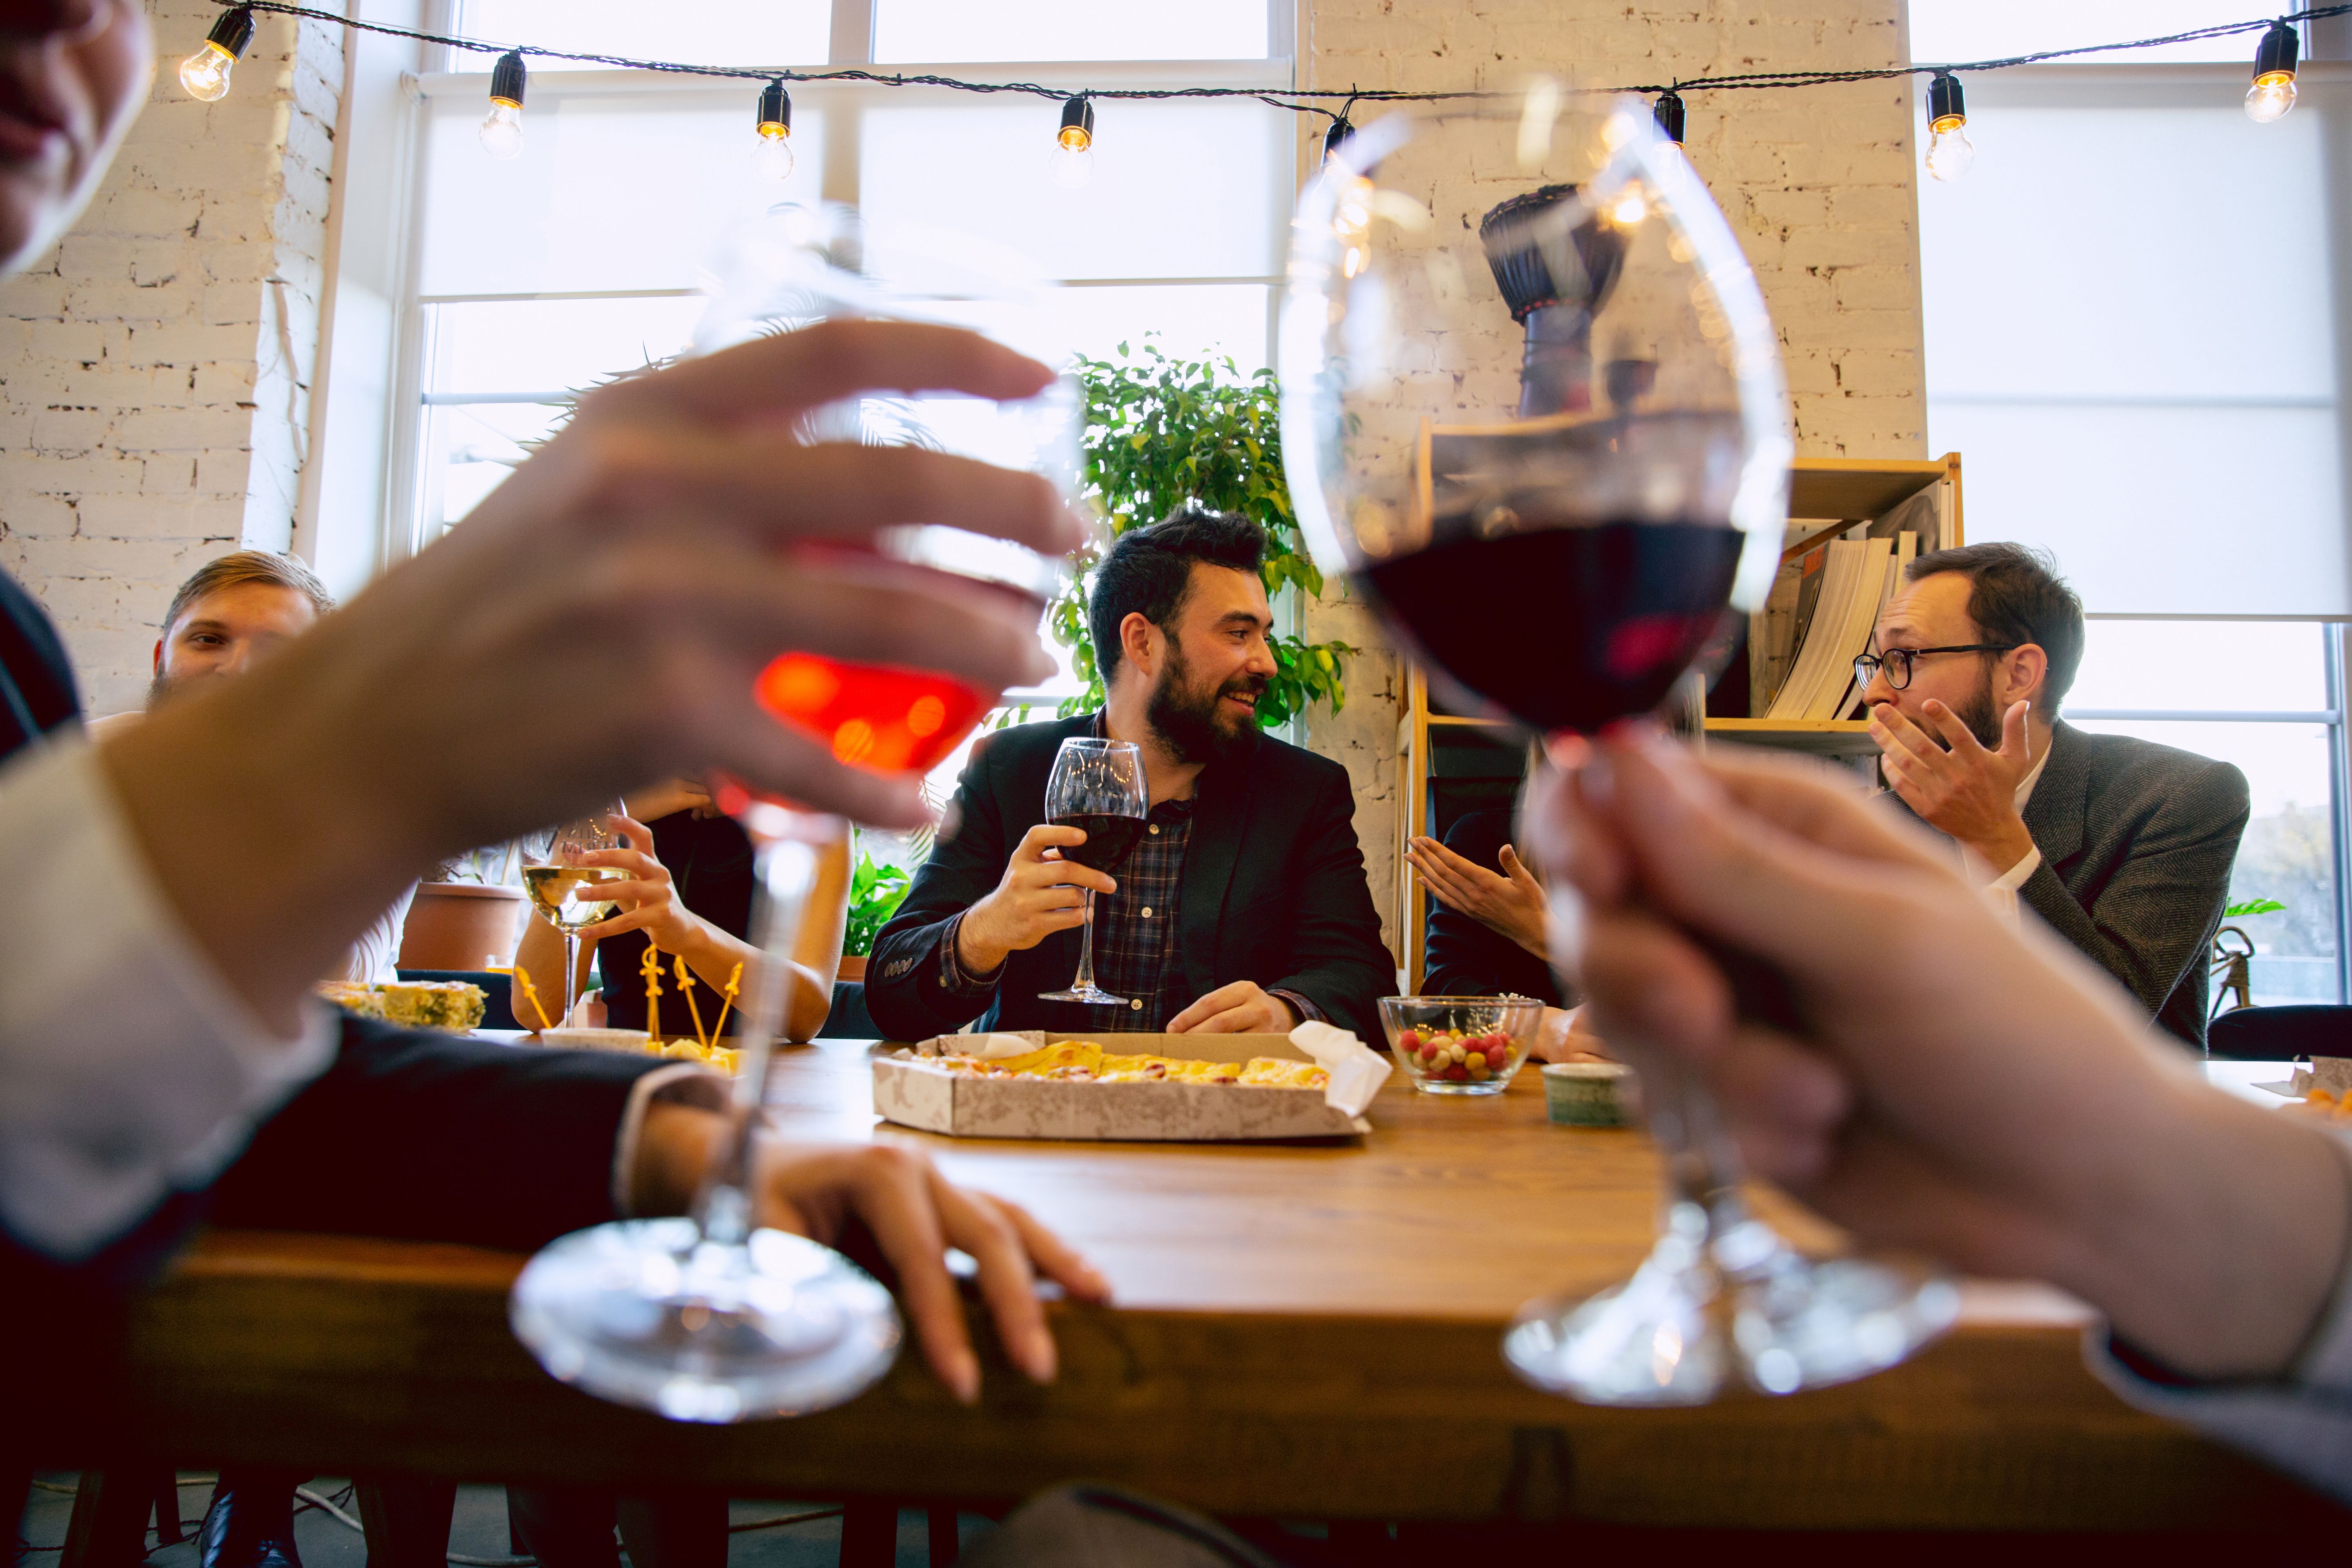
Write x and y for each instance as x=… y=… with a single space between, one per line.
x=851 y=968
x=461 y=925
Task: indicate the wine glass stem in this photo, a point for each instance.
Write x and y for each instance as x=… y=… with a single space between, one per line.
x=1086 y=980
x=1702 y=1169
x=784 y=867
x=570 y=976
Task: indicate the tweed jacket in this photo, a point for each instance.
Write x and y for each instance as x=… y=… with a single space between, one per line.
x=2137 y=843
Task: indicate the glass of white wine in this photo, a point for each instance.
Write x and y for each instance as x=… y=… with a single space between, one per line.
x=562 y=891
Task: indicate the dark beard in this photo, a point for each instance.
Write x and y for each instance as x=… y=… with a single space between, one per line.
x=1978 y=715
x=1187 y=721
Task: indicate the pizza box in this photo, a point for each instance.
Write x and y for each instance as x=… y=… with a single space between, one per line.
x=914 y=1093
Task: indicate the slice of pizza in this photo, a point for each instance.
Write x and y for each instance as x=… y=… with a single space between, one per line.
x=1050 y=1061
x=1273 y=1072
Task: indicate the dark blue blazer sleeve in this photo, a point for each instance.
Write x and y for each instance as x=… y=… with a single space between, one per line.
x=1337 y=961
x=903 y=991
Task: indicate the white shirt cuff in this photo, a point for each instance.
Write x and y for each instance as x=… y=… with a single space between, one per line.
x=680 y=1083
x=128 y=1068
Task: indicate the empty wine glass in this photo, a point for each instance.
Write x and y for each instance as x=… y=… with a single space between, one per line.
x=1532 y=402
x=562 y=891
x=713 y=1318
x=1096 y=786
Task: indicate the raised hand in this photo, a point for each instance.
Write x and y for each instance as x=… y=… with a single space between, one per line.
x=1511 y=904
x=1038 y=895
x=1959 y=787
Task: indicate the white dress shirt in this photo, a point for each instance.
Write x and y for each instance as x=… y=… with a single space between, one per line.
x=2001 y=891
x=128 y=1068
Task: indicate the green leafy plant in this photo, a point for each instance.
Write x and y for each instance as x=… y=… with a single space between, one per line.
x=876 y=892
x=1162 y=432
x=2252 y=907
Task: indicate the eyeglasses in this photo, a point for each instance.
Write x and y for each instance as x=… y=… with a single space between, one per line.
x=1896 y=661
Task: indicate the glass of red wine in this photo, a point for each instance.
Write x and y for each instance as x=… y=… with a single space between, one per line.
x=1098 y=787
x=1533 y=405
x=712 y=1317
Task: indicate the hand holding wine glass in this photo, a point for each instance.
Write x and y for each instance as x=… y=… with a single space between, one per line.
x=566 y=887
x=1097 y=787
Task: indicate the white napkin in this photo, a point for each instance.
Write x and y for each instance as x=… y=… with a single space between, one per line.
x=988 y=1048
x=1356 y=1070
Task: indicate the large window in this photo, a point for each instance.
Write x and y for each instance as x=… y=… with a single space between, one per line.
x=584 y=257
x=2135 y=337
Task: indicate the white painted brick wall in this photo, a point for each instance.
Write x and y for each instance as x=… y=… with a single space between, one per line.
x=155 y=369
x=1819 y=185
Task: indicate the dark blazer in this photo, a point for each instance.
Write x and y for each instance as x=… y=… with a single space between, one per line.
x=1274 y=892
x=1465 y=957
x=2137 y=843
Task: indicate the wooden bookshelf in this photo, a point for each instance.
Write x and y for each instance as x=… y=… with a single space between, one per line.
x=1468 y=761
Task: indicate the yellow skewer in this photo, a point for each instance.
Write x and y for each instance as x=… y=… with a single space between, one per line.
x=685 y=985
x=734 y=981
x=651 y=969
x=530 y=994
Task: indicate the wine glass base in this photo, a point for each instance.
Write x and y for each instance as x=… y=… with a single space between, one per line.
x=1093 y=995
x=647 y=1313
x=1662 y=1338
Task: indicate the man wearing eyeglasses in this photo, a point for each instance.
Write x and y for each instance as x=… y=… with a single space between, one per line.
x=2122 y=845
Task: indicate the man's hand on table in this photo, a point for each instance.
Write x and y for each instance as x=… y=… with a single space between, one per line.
x=913 y=1215
x=1038 y=895
x=1243 y=1007
x=1511 y=904
x=1965 y=792
x=1958 y=1088
x=597 y=625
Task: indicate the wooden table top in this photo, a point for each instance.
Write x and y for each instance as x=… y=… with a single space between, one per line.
x=1304 y=1331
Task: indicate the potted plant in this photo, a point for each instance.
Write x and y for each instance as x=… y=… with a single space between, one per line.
x=876 y=892
x=1163 y=432
x=466 y=914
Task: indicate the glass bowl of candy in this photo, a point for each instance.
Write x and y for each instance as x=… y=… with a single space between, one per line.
x=1460 y=1045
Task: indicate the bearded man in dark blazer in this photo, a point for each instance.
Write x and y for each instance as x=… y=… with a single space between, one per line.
x=1243 y=907
x=2123 y=847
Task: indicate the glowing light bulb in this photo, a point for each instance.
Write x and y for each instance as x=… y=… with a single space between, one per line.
x=1074 y=145
x=2273 y=93
x=502 y=127
x=1949 y=151
x=502 y=131
x=1630 y=209
x=205 y=73
x=774 y=158
x=2270 y=97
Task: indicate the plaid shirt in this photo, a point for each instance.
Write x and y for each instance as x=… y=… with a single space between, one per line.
x=1136 y=955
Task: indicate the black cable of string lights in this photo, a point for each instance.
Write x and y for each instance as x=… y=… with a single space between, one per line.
x=1299 y=101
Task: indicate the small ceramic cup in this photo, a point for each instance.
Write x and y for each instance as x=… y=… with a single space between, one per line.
x=1587 y=1094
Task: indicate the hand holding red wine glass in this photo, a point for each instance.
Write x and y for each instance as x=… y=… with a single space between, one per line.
x=1533 y=403
x=1097 y=787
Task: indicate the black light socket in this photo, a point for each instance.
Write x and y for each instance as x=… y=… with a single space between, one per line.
x=1337 y=137
x=1078 y=114
x=1669 y=112
x=507 y=79
x=775 y=105
x=2278 y=51
x=1944 y=100
x=233 y=32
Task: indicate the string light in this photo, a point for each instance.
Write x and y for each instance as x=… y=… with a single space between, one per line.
x=205 y=73
x=2273 y=93
x=1668 y=110
x=1074 y=145
x=502 y=127
x=775 y=153
x=1337 y=136
x=1949 y=151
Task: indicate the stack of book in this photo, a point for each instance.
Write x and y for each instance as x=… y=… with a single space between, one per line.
x=1842 y=588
